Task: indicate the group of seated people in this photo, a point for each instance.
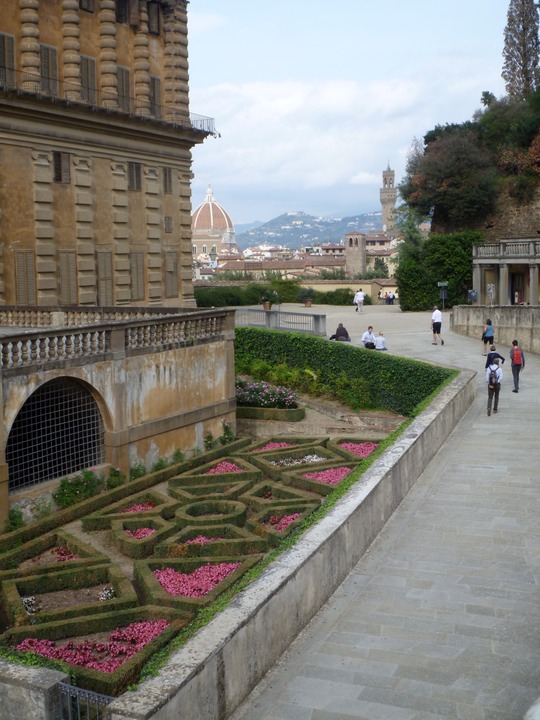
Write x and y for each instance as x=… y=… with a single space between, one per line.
x=368 y=340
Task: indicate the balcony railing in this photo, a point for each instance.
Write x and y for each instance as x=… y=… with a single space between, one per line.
x=508 y=250
x=55 y=90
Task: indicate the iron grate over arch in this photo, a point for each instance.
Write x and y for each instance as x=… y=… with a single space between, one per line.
x=58 y=431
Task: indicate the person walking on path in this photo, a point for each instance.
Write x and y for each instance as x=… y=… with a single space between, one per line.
x=494 y=375
x=436 y=324
x=359 y=300
x=517 y=357
x=488 y=335
x=492 y=354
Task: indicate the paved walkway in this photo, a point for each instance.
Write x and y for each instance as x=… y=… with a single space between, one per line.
x=441 y=618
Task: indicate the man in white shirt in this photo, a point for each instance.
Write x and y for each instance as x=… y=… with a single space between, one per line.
x=436 y=323
x=368 y=338
x=359 y=300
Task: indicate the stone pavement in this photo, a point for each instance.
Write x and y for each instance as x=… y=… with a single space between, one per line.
x=441 y=617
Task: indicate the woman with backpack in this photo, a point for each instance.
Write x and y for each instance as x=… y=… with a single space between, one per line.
x=488 y=335
x=517 y=357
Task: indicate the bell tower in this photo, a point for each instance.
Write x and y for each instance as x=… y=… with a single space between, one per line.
x=388 y=194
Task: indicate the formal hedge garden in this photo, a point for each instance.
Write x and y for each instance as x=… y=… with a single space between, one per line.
x=149 y=561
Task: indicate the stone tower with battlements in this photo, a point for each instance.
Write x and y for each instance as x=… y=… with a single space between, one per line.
x=388 y=194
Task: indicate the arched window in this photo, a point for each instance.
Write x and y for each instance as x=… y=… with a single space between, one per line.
x=58 y=431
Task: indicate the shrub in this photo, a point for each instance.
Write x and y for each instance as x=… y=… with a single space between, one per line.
x=264 y=395
x=115 y=478
x=14 y=520
x=228 y=434
x=160 y=464
x=209 y=441
x=137 y=471
x=80 y=487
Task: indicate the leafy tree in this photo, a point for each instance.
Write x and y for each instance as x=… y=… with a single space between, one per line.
x=521 y=48
x=454 y=181
x=380 y=268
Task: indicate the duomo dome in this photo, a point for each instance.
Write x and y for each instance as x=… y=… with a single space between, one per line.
x=212 y=229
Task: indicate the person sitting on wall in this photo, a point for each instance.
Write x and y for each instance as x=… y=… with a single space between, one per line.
x=341 y=334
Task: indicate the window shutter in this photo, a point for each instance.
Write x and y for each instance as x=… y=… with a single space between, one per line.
x=171 y=274
x=68 y=277
x=25 y=277
x=88 y=80
x=7 y=60
x=133 y=10
x=136 y=261
x=49 y=69
x=124 y=97
x=105 y=278
x=155 y=96
x=134 y=176
x=167 y=180
x=154 y=24
x=61 y=167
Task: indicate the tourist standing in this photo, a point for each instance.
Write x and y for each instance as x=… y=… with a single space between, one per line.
x=492 y=354
x=436 y=325
x=488 y=335
x=517 y=357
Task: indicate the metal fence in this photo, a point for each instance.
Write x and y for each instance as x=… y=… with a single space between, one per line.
x=278 y=320
x=79 y=704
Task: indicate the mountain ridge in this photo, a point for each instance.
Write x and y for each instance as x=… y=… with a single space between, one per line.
x=297 y=229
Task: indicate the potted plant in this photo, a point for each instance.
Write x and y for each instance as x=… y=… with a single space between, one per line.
x=306 y=295
x=268 y=298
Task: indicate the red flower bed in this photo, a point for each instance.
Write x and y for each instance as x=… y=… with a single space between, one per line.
x=280 y=524
x=223 y=467
x=363 y=450
x=275 y=446
x=140 y=507
x=106 y=657
x=140 y=533
x=196 y=584
x=332 y=476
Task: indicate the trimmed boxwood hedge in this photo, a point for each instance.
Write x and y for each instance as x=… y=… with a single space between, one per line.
x=233 y=541
x=107 y=683
x=395 y=383
x=282 y=414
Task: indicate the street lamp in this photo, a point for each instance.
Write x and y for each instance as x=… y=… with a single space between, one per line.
x=213 y=258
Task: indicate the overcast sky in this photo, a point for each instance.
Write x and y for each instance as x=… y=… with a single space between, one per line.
x=313 y=99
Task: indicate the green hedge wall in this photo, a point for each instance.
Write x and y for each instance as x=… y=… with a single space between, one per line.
x=395 y=383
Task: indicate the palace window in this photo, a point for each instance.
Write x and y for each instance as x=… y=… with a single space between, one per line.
x=25 y=277
x=61 y=167
x=171 y=274
x=136 y=264
x=168 y=223
x=88 y=80
x=49 y=69
x=154 y=19
x=167 y=180
x=155 y=96
x=67 y=261
x=7 y=60
x=105 y=278
x=134 y=176
x=123 y=78
x=87 y=5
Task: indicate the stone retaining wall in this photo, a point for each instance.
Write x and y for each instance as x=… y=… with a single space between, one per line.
x=511 y=322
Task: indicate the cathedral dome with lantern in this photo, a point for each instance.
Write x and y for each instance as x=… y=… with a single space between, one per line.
x=212 y=230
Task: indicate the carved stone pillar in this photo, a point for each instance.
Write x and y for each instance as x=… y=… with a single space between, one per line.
x=142 y=64
x=30 y=61
x=533 y=284
x=176 y=63
x=503 y=285
x=107 y=56
x=71 y=55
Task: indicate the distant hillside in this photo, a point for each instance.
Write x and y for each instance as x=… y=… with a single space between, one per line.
x=295 y=230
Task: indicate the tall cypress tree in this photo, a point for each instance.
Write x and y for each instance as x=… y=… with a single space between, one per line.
x=521 y=48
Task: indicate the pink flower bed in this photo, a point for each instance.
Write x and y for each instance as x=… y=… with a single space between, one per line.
x=140 y=533
x=202 y=539
x=107 y=656
x=223 y=467
x=363 y=450
x=333 y=476
x=140 y=507
x=196 y=584
x=280 y=524
x=275 y=446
